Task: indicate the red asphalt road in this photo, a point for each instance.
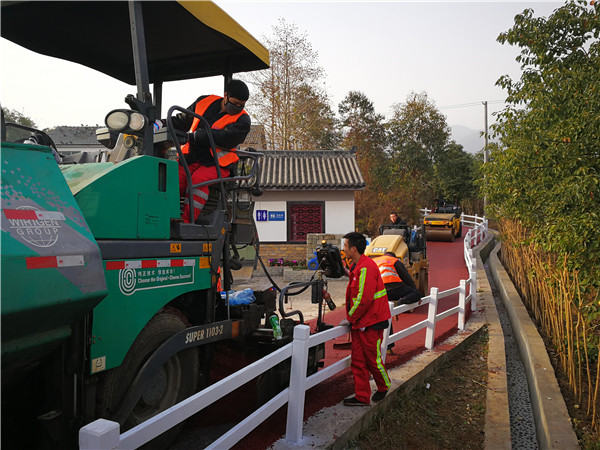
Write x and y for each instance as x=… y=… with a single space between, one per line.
x=446 y=269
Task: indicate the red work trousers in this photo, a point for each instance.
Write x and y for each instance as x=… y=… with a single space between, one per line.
x=200 y=174
x=366 y=361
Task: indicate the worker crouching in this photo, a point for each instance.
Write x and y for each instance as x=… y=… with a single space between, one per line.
x=401 y=288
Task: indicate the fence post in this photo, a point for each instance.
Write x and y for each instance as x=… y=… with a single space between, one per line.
x=297 y=392
x=430 y=335
x=473 y=287
x=462 y=294
x=101 y=434
x=386 y=334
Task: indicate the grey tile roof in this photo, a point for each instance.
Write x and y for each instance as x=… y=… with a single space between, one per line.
x=79 y=136
x=310 y=170
x=256 y=138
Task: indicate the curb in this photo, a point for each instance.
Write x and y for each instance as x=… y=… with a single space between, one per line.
x=552 y=421
x=497 y=415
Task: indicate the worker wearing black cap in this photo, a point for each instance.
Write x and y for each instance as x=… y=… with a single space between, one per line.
x=230 y=125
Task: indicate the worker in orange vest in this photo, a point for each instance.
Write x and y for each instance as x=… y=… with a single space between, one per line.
x=400 y=286
x=398 y=283
x=230 y=124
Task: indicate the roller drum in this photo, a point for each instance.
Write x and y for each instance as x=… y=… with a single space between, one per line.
x=439 y=234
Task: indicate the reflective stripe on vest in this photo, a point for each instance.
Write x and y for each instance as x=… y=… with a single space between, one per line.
x=387 y=269
x=226 y=157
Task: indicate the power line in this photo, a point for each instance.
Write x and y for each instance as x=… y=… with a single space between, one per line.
x=467 y=105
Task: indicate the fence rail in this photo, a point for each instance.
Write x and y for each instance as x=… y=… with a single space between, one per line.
x=105 y=435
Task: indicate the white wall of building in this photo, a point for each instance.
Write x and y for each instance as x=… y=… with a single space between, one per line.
x=339 y=211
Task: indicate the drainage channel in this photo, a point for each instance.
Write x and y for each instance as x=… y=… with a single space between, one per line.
x=522 y=424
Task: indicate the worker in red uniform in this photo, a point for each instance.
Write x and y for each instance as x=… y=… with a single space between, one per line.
x=230 y=124
x=368 y=313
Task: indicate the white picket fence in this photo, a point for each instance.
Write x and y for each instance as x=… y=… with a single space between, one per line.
x=103 y=434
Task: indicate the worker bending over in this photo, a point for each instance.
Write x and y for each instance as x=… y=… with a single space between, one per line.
x=399 y=285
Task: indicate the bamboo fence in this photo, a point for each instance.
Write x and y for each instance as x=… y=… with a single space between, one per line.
x=567 y=316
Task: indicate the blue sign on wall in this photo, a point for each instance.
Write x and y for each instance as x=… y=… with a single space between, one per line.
x=261 y=215
x=278 y=216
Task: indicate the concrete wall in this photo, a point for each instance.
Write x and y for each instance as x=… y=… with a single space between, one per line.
x=299 y=252
x=339 y=211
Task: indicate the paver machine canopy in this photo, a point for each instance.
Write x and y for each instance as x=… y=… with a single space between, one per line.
x=137 y=42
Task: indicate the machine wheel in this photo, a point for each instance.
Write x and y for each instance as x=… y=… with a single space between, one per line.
x=459 y=233
x=423 y=281
x=176 y=380
x=272 y=382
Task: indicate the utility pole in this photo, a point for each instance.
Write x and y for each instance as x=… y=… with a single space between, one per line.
x=485 y=148
x=485 y=118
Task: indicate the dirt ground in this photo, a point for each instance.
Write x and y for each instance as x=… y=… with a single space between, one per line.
x=589 y=439
x=446 y=412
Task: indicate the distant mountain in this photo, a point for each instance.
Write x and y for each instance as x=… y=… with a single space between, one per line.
x=469 y=138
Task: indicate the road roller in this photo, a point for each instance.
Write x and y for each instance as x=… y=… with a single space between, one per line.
x=410 y=248
x=443 y=224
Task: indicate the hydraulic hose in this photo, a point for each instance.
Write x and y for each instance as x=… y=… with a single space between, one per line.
x=290 y=294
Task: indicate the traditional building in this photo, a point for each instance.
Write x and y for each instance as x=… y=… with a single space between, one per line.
x=75 y=139
x=304 y=192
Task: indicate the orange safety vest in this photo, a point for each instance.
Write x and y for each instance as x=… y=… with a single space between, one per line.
x=226 y=157
x=387 y=269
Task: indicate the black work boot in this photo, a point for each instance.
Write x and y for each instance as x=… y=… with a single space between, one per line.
x=353 y=401
x=378 y=396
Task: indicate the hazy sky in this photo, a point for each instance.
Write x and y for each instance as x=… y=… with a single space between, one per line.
x=384 y=49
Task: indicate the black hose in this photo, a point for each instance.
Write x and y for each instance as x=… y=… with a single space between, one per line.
x=267 y=273
x=289 y=294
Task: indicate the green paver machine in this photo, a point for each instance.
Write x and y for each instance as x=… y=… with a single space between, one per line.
x=109 y=300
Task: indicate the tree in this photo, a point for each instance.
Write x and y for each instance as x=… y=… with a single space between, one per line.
x=546 y=170
x=290 y=100
x=319 y=127
x=454 y=174
x=14 y=116
x=364 y=130
x=544 y=181
x=419 y=137
x=419 y=134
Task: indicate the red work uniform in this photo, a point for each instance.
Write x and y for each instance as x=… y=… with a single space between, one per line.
x=228 y=132
x=368 y=312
